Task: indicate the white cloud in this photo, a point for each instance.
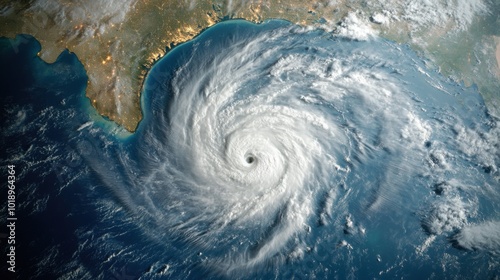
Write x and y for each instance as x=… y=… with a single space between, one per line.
x=484 y=236
x=95 y=16
x=356 y=28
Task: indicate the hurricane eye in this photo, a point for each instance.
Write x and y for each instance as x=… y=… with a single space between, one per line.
x=250 y=159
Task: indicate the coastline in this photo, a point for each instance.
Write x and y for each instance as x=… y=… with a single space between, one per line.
x=118 y=54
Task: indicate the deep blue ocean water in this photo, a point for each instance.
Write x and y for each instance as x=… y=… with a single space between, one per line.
x=364 y=164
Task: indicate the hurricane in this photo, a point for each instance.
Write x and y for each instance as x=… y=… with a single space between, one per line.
x=256 y=138
x=269 y=145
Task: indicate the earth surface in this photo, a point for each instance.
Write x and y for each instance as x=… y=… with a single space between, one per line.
x=174 y=141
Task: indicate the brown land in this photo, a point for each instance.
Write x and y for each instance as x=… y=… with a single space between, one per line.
x=118 y=45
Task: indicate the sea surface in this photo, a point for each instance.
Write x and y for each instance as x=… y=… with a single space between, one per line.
x=266 y=151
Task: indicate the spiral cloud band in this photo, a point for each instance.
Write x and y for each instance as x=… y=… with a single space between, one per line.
x=257 y=136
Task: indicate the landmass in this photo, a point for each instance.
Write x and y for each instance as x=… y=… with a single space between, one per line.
x=119 y=41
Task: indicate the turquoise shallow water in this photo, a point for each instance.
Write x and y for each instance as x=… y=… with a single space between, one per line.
x=266 y=151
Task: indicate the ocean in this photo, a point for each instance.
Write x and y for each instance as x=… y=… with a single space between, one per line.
x=266 y=151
